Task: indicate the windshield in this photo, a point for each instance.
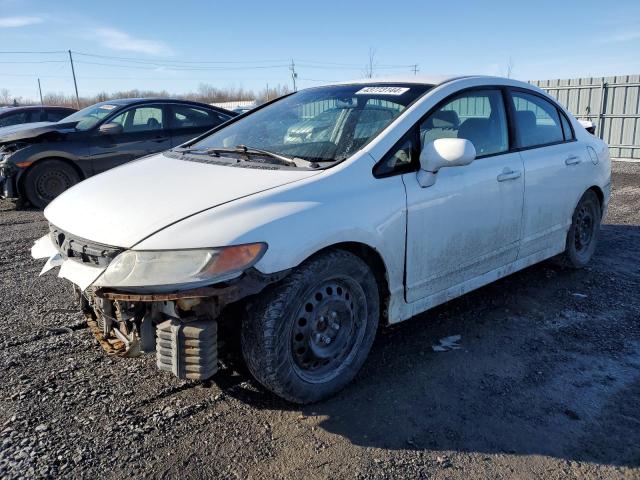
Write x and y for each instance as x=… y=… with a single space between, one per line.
x=322 y=124
x=88 y=117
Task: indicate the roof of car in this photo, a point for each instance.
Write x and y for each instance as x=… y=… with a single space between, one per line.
x=32 y=107
x=431 y=80
x=418 y=79
x=129 y=101
x=133 y=101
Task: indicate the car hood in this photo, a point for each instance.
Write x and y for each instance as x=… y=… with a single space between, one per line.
x=33 y=130
x=127 y=204
x=21 y=126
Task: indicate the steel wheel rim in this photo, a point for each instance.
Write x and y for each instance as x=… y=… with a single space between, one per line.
x=51 y=184
x=328 y=329
x=583 y=234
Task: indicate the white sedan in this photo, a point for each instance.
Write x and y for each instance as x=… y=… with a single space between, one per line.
x=307 y=223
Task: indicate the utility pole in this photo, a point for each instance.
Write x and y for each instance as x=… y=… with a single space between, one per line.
x=294 y=75
x=415 y=69
x=40 y=90
x=267 y=92
x=75 y=83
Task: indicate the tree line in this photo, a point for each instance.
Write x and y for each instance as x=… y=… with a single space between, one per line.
x=205 y=93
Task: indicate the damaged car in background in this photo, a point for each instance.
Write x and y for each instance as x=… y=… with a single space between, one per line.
x=297 y=229
x=40 y=161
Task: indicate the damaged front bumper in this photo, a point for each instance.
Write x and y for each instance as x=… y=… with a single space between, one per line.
x=180 y=327
x=7 y=187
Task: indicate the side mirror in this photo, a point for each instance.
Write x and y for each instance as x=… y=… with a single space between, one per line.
x=441 y=153
x=589 y=126
x=110 y=129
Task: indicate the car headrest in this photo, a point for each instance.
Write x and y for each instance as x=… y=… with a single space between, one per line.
x=477 y=131
x=526 y=120
x=474 y=127
x=443 y=119
x=153 y=123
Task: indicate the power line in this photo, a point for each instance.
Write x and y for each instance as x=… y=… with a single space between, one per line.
x=170 y=61
x=30 y=52
x=181 y=69
x=32 y=61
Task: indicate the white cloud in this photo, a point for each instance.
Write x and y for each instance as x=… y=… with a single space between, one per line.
x=14 y=22
x=119 y=40
x=623 y=37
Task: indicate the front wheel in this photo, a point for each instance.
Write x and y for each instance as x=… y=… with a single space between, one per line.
x=582 y=237
x=47 y=179
x=307 y=337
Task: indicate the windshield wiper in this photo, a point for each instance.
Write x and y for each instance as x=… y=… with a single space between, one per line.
x=248 y=151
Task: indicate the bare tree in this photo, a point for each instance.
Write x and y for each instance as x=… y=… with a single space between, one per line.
x=510 y=65
x=272 y=93
x=206 y=93
x=370 y=66
x=5 y=96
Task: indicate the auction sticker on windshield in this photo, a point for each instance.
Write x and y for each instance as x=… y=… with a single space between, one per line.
x=382 y=91
x=107 y=107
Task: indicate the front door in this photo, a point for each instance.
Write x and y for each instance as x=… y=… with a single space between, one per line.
x=143 y=132
x=467 y=223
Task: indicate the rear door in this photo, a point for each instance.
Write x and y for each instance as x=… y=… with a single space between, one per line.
x=144 y=131
x=188 y=121
x=555 y=164
x=467 y=223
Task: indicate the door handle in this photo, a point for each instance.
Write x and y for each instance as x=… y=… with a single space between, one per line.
x=572 y=160
x=160 y=139
x=512 y=175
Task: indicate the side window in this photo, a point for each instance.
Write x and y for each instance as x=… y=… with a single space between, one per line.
x=477 y=115
x=140 y=119
x=537 y=121
x=14 y=119
x=397 y=160
x=56 y=115
x=566 y=128
x=191 y=117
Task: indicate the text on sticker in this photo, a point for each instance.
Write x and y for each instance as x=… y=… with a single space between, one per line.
x=382 y=91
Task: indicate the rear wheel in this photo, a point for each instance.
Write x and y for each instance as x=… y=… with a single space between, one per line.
x=47 y=179
x=307 y=337
x=582 y=237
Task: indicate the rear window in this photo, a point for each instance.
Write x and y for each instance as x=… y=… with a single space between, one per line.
x=184 y=116
x=14 y=118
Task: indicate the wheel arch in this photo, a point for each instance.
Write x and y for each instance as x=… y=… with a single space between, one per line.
x=23 y=175
x=599 y=193
x=374 y=260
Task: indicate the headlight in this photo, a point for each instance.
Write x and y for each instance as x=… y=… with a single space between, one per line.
x=178 y=267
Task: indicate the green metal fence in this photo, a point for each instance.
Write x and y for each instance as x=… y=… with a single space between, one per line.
x=612 y=103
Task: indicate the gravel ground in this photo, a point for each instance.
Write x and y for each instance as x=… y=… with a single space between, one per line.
x=546 y=384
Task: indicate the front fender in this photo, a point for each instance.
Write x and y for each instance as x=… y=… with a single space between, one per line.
x=39 y=151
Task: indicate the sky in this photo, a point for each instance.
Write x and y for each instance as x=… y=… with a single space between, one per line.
x=178 y=45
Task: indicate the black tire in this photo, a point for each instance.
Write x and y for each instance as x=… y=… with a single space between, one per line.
x=47 y=179
x=305 y=338
x=582 y=237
